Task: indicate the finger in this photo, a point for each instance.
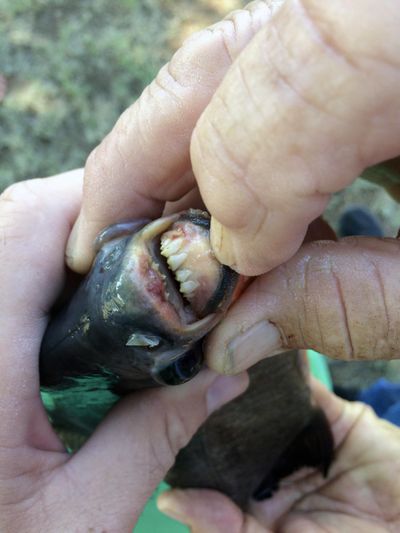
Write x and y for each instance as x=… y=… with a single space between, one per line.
x=192 y=199
x=339 y=298
x=144 y=161
x=365 y=447
x=207 y=511
x=35 y=220
x=340 y=413
x=134 y=447
x=309 y=104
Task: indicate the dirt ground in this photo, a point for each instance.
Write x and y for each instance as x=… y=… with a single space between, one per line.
x=68 y=69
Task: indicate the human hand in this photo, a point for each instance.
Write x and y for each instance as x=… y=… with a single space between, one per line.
x=309 y=104
x=104 y=486
x=145 y=161
x=338 y=298
x=361 y=492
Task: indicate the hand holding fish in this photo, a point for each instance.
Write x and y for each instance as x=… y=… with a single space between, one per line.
x=43 y=488
x=267 y=114
x=197 y=128
x=362 y=493
x=42 y=485
x=274 y=125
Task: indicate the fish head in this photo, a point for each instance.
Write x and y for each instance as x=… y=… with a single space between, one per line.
x=172 y=291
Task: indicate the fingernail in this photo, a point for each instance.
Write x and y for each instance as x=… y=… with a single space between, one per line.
x=221 y=243
x=224 y=389
x=249 y=347
x=169 y=504
x=72 y=243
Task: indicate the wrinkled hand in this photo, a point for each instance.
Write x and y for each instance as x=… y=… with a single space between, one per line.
x=339 y=298
x=104 y=486
x=277 y=112
x=268 y=113
x=361 y=492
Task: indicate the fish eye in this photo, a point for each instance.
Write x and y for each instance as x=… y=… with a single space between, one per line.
x=181 y=370
x=143 y=340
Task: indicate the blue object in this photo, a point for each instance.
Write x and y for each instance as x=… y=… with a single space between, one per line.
x=384 y=398
x=358 y=220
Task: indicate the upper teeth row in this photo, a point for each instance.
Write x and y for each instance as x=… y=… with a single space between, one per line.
x=169 y=249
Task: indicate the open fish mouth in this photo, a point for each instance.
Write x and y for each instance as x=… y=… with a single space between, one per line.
x=182 y=269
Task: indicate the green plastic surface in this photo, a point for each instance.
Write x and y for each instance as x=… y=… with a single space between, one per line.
x=319 y=368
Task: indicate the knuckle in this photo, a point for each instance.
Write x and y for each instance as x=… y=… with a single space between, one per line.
x=22 y=201
x=237 y=28
x=222 y=174
x=25 y=192
x=374 y=37
x=98 y=166
x=229 y=160
x=178 y=429
x=95 y=162
x=229 y=30
x=324 y=24
x=170 y=82
x=173 y=430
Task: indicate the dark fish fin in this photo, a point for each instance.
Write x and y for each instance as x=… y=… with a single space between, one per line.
x=313 y=447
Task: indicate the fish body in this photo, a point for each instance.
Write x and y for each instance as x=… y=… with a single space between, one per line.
x=245 y=448
x=137 y=321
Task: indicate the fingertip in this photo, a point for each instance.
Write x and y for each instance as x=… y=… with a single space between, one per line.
x=225 y=389
x=237 y=344
x=221 y=243
x=201 y=509
x=224 y=245
x=79 y=253
x=247 y=254
x=173 y=504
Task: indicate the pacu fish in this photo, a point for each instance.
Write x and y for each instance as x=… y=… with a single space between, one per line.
x=137 y=320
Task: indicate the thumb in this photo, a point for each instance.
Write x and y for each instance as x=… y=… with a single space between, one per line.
x=135 y=446
x=207 y=511
x=309 y=104
x=339 y=298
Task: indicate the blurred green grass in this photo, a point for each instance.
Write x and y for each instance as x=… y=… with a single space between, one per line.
x=71 y=67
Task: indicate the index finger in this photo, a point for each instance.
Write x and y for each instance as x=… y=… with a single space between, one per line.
x=312 y=102
x=145 y=160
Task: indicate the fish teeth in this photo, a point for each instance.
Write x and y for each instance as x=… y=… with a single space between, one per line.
x=182 y=274
x=170 y=247
x=188 y=287
x=176 y=260
x=165 y=242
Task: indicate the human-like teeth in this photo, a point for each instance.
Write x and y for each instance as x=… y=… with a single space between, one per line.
x=182 y=274
x=175 y=261
x=164 y=242
x=188 y=286
x=169 y=247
